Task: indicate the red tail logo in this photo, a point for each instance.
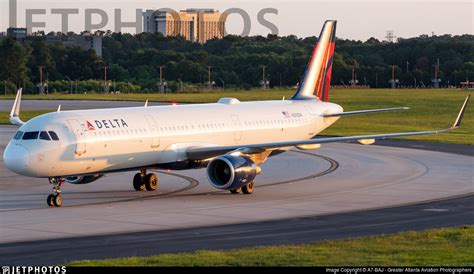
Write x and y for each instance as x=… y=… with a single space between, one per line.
x=317 y=77
x=90 y=126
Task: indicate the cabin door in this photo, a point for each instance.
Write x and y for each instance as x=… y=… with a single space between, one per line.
x=80 y=134
x=155 y=138
x=237 y=127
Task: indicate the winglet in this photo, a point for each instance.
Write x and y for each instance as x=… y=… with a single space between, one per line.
x=457 y=123
x=146 y=103
x=59 y=108
x=15 y=113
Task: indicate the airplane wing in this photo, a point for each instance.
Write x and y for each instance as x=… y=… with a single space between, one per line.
x=15 y=112
x=200 y=153
x=349 y=113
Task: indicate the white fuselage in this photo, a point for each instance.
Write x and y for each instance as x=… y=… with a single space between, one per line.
x=107 y=140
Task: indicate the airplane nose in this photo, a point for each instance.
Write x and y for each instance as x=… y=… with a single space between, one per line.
x=16 y=159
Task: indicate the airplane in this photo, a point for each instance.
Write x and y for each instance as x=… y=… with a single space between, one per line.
x=231 y=139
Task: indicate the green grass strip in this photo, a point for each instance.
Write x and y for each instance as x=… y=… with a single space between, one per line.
x=435 y=247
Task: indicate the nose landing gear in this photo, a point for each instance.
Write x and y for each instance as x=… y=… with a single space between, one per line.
x=56 y=200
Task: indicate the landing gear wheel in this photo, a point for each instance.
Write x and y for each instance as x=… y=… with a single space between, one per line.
x=151 y=182
x=248 y=189
x=50 y=200
x=138 y=183
x=236 y=191
x=58 y=200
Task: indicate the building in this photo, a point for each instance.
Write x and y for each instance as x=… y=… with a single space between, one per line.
x=197 y=25
x=86 y=40
x=18 y=34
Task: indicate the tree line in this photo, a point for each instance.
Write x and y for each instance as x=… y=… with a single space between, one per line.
x=237 y=62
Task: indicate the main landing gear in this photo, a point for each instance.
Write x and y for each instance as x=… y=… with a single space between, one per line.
x=247 y=189
x=56 y=200
x=142 y=181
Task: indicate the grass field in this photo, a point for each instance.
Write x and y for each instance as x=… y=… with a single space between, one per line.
x=436 y=247
x=430 y=109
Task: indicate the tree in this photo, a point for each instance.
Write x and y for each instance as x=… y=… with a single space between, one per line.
x=40 y=56
x=14 y=58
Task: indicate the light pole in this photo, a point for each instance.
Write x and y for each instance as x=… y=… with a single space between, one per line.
x=209 y=83
x=47 y=82
x=76 y=80
x=180 y=84
x=105 y=79
x=223 y=83
x=41 y=86
x=162 y=86
x=264 y=82
x=70 y=84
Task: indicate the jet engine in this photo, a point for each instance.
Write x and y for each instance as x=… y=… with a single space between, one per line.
x=82 y=180
x=231 y=172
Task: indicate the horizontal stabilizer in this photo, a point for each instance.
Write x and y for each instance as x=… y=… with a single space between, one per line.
x=358 y=112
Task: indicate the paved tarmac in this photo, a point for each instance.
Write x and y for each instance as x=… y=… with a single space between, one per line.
x=452 y=212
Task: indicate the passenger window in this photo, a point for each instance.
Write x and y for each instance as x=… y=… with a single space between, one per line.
x=18 y=135
x=44 y=136
x=53 y=135
x=32 y=135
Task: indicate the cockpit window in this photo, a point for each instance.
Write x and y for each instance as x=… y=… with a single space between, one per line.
x=18 y=135
x=44 y=136
x=32 y=135
x=54 y=136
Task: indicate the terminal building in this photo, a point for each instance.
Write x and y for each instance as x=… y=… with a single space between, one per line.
x=196 y=25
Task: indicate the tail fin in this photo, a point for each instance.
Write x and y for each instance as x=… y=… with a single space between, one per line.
x=317 y=77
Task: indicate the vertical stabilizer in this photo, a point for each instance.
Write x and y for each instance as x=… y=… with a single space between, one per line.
x=317 y=77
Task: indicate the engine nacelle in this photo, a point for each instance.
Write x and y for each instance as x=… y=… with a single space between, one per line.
x=82 y=180
x=231 y=172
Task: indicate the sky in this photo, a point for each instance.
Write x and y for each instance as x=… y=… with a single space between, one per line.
x=358 y=20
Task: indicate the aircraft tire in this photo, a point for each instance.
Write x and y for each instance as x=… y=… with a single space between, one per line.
x=138 y=183
x=248 y=188
x=236 y=191
x=151 y=182
x=50 y=200
x=58 y=200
